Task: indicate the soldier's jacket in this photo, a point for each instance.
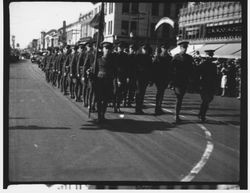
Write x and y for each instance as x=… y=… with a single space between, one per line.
x=207 y=72
x=65 y=68
x=132 y=65
x=183 y=69
x=73 y=64
x=144 y=67
x=53 y=61
x=59 y=62
x=106 y=66
x=80 y=63
x=88 y=62
x=48 y=62
x=121 y=65
x=162 y=68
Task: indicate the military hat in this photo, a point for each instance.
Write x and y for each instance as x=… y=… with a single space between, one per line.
x=82 y=46
x=107 y=45
x=89 y=43
x=183 y=43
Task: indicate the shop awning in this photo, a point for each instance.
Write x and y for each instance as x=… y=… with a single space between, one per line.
x=229 y=50
x=210 y=47
x=191 y=49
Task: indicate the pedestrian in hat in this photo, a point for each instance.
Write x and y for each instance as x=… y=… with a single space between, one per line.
x=121 y=65
x=48 y=64
x=183 y=70
x=162 y=75
x=132 y=68
x=143 y=76
x=207 y=72
x=53 y=73
x=65 y=69
x=72 y=73
x=59 y=64
x=104 y=73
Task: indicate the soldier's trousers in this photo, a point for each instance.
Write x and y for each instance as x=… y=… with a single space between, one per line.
x=131 y=90
x=47 y=74
x=78 y=88
x=119 y=93
x=161 y=87
x=72 y=82
x=58 y=79
x=103 y=90
x=54 y=77
x=86 y=91
x=64 y=83
x=206 y=98
x=141 y=86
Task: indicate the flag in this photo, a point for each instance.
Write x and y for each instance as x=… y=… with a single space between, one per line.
x=164 y=20
x=97 y=20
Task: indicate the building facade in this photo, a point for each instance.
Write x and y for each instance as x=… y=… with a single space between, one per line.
x=132 y=21
x=212 y=25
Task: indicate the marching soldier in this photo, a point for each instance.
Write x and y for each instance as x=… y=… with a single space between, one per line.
x=87 y=80
x=183 y=70
x=104 y=72
x=65 y=69
x=143 y=75
x=132 y=62
x=72 y=73
x=207 y=72
x=48 y=64
x=59 y=65
x=162 y=75
x=79 y=72
x=53 y=68
x=120 y=77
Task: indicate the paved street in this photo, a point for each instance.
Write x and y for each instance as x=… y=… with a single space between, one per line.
x=51 y=137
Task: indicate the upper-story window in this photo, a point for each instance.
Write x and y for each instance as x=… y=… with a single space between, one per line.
x=110 y=8
x=135 y=8
x=155 y=9
x=125 y=7
x=133 y=27
x=167 y=9
x=105 y=8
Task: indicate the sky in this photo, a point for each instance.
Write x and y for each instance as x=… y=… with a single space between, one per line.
x=28 y=19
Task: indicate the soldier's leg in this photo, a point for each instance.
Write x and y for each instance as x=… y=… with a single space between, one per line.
x=179 y=92
x=131 y=92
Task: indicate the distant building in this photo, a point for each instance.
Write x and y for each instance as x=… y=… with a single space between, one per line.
x=212 y=25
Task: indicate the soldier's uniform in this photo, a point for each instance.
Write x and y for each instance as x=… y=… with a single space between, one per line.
x=59 y=65
x=79 y=72
x=65 y=69
x=104 y=72
x=87 y=80
x=48 y=64
x=132 y=63
x=53 y=68
x=120 y=77
x=143 y=77
x=162 y=76
x=183 y=70
x=207 y=72
x=72 y=72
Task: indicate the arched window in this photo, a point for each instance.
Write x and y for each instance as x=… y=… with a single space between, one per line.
x=216 y=12
x=202 y=15
x=195 y=16
x=220 y=11
x=211 y=14
x=199 y=16
x=225 y=10
x=231 y=9
x=191 y=17
x=206 y=13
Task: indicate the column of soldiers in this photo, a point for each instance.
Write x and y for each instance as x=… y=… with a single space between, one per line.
x=119 y=77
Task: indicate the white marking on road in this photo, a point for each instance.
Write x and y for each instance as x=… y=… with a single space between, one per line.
x=121 y=115
x=36 y=146
x=207 y=153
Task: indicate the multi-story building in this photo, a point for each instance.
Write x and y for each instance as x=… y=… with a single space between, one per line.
x=212 y=25
x=132 y=21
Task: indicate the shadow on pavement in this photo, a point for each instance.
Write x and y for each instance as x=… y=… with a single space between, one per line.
x=34 y=127
x=129 y=126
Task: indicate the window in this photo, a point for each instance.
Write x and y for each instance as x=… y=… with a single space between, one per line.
x=125 y=7
x=133 y=27
x=105 y=8
x=135 y=8
x=110 y=8
x=166 y=9
x=125 y=27
x=104 y=28
x=110 y=27
x=155 y=9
